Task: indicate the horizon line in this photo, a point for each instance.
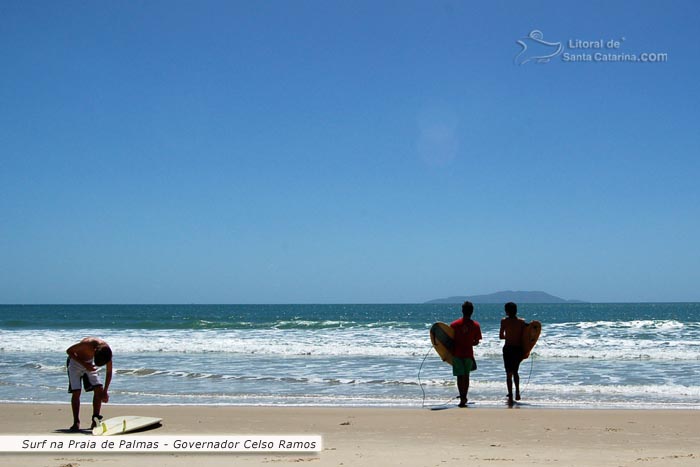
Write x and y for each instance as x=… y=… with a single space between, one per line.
x=343 y=303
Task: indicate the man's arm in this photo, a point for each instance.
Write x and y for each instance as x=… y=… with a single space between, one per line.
x=108 y=379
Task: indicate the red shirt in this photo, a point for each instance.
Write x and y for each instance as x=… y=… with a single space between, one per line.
x=467 y=335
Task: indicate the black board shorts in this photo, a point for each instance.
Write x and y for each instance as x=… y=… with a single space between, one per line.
x=512 y=356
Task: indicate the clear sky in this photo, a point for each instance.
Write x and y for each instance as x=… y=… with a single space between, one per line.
x=355 y=151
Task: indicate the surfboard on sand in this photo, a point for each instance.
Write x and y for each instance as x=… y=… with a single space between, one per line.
x=124 y=424
x=442 y=338
x=531 y=333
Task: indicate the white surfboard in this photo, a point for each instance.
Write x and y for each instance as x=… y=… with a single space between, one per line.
x=124 y=424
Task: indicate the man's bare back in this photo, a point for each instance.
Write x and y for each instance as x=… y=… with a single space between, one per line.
x=84 y=351
x=512 y=331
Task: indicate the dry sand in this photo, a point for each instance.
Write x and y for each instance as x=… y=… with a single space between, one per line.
x=387 y=437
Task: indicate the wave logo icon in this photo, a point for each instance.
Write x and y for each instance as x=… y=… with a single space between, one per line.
x=534 y=48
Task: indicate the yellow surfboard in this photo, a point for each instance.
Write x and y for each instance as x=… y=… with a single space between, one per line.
x=442 y=337
x=531 y=333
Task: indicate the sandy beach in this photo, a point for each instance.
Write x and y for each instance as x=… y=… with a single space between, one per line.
x=411 y=437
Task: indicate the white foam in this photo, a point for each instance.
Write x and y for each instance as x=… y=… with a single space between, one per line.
x=636 y=324
x=641 y=340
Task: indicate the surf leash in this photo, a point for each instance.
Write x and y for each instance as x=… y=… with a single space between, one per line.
x=532 y=364
x=420 y=383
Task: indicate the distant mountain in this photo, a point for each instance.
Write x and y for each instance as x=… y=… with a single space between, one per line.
x=507 y=296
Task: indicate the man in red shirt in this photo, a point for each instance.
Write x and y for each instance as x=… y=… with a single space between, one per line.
x=467 y=335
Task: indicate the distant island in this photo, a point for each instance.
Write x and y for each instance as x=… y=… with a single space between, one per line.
x=507 y=296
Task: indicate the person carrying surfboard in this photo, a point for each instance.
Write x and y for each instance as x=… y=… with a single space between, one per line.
x=467 y=335
x=83 y=360
x=512 y=332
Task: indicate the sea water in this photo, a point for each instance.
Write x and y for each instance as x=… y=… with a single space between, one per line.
x=589 y=355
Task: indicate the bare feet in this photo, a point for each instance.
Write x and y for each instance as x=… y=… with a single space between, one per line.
x=75 y=428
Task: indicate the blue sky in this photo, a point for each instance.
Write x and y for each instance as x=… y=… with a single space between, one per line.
x=325 y=152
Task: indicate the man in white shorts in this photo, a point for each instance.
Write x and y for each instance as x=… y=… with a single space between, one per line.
x=83 y=360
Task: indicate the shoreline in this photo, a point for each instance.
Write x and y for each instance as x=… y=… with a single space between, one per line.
x=354 y=436
x=478 y=405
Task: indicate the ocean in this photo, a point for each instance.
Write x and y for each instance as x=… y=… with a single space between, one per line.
x=632 y=355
